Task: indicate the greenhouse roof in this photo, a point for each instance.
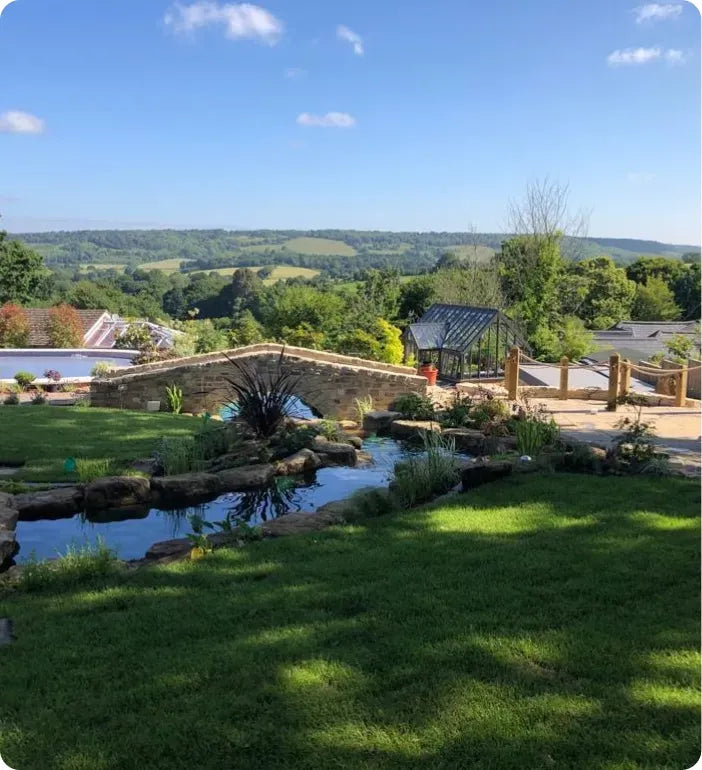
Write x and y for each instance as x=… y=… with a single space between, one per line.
x=454 y=327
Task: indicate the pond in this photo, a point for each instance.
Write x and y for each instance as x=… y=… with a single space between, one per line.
x=69 y=364
x=131 y=532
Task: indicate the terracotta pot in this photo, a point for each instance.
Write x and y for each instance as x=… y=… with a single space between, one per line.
x=430 y=372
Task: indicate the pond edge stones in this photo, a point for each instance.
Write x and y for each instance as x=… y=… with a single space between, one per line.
x=8 y=521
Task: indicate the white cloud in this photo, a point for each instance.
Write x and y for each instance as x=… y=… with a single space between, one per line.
x=657 y=12
x=330 y=120
x=634 y=56
x=674 y=56
x=344 y=33
x=294 y=73
x=240 y=20
x=15 y=122
x=640 y=177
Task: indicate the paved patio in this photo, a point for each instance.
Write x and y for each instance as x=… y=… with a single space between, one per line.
x=677 y=430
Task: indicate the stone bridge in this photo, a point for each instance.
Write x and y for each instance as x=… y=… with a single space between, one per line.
x=328 y=382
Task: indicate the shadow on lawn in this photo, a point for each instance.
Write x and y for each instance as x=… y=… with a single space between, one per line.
x=567 y=639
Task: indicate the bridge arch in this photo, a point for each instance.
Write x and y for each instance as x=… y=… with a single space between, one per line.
x=327 y=382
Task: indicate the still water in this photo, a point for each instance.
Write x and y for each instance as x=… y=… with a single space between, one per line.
x=132 y=532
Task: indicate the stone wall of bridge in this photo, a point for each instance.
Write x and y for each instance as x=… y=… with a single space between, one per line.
x=327 y=382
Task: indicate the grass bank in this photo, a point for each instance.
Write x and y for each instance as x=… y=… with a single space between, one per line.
x=44 y=436
x=537 y=622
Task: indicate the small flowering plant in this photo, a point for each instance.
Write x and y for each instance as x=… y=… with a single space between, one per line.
x=54 y=377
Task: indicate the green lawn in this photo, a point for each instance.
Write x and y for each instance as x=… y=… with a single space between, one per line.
x=44 y=436
x=540 y=622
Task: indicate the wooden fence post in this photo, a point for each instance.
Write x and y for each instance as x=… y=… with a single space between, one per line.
x=513 y=374
x=613 y=382
x=564 y=378
x=625 y=377
x=681 y=387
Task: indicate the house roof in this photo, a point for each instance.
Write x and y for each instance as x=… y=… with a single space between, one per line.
x=638 y=340
x=641 y=329
x=38 y=319
x=453 y=327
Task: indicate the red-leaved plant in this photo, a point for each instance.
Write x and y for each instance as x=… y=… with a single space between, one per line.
x=14 y=326
x=64 y=327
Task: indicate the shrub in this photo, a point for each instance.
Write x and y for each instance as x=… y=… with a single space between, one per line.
x=421 y=478
x=89 y=469
x=78 y=564
x=11 y=400
x=101 y=368
x=489 y=412
x=39 y=399
x=262 y=400
x=135 y=337
x=329 y=429
x=174 y=395
x=415 y=407
x=14 y=326
x=25 y=379
x=64 y=327
x=292 y=440
x=458 y=412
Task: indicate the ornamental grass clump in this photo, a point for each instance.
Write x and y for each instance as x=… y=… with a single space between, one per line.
x=428 y=475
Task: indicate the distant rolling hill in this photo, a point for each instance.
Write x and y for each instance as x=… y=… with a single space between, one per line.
x=337 y=253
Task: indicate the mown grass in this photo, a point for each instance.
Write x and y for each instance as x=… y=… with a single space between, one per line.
x=538 y=622
x=44 y=436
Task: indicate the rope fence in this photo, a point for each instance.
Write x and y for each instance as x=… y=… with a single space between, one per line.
x=618 y=370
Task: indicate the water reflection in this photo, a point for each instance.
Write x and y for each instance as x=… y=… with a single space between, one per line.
x=132 y=531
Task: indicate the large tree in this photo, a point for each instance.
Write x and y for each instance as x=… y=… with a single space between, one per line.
x=669 y=270
x=21 y=272
x=654 y=302
x=687 y=289
x=605 y=292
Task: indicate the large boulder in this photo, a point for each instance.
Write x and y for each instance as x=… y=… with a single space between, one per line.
x=186 y=487
x=8 y=547
x=300 y=462
x=477 y=474
x=246 y=477
x=8 y=512
x=8 y=522
x=380 y=420
x=334 y=453
x=299 y=523
x=57 y=503
x=117 y=492
x=467 y=439
x=355 y=441
x=412 y=429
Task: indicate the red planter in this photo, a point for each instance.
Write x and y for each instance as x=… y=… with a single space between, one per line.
x=430 y=372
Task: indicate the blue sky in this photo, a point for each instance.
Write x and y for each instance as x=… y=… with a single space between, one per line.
x=376 y=114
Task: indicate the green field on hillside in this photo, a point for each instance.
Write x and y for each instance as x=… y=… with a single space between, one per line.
x=280 y=272
x=107 y=266
x=167 y=265
x=466 y=251
x=313 y=246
